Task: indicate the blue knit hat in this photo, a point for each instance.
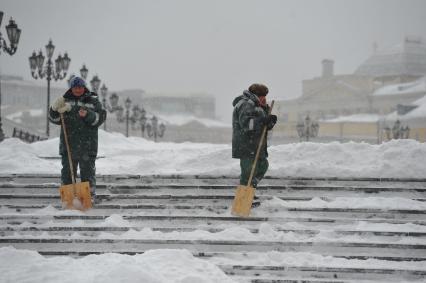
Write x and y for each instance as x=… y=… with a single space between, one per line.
x=77 y=82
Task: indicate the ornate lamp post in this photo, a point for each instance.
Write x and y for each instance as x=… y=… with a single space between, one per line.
x=113 y=99
x=139 y=115
x=127 y=104
x=84 y=72
x=13 y=33
x=154 y=129
x=50 y=71
x=104 y=92
x=120 y=110
x=142 y=122
x=95 y=82
x=307 y=129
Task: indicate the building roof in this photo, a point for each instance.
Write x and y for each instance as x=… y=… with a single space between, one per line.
x=418 y=112
x=404 y=88
x=406 y=58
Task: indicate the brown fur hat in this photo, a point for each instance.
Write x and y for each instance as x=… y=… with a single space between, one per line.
x=259 y=89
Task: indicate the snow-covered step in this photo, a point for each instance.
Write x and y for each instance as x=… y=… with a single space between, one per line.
x=228 y=184
x=332 y=274
x=193 y=181
x=220 y=208
x=227 y=191
x=300 y=279
x=17 y=219
x=337 y=183
x=120 y=221
x=334 y=248
x=185 y=208
x=218 y=192
x=207 y=228
x=15 y=193
x=58 y=230
x=271 y=279
x=348 y=219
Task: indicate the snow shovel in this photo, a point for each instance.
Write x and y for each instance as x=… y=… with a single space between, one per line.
x=75 y=195
x=244 y=194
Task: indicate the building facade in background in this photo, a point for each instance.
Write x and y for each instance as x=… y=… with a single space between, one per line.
x=332 y=95
x=388 y=78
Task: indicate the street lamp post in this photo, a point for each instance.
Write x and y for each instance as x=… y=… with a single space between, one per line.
x=13 y=33
x=142 y=122
x=84 y=72
x=127 y=104
x=104 y=93
x=95 y=82
x=139 y=115
x=307 y=129
x=50 y=71
x=120 y=110
x=154 y=129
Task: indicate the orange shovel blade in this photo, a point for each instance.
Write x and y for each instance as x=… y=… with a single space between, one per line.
x=82 y=198
x=242 y=201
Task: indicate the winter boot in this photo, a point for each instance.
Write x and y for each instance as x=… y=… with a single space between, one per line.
x=256 y=202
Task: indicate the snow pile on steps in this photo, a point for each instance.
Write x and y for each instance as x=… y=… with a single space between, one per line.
x=154 y=266
x=394 y=159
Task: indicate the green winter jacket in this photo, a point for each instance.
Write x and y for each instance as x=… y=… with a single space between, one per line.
x=82 y=132
x=248 y=120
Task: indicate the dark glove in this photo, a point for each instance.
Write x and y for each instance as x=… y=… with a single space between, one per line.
x=270 y=121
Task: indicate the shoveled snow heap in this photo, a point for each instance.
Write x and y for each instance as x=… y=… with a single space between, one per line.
x=154 y=266
x=121 y=155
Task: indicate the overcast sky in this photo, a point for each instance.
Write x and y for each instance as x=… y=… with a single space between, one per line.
x=218 y=47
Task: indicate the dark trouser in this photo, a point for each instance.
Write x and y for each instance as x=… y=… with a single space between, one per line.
x=246 y=166
x=87 y=170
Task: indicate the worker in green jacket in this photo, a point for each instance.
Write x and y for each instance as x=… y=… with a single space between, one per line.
x=249 y=117
x=83 y=114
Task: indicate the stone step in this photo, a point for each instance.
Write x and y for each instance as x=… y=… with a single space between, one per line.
x=199 y=193
x=195 y=185
x=17 y=219
x=188 y=209
x=31 y=218
x=225 y=180
x=324 y=273
x=185 y=207
x=271 y=279
x=358 y=249
x=93 y=231
x=179 y=196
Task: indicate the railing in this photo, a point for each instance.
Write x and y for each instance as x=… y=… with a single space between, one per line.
x=26 y=136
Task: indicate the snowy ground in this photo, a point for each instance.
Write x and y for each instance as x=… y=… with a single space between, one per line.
x=394 y=159
x=120 y=155
x=155 y=266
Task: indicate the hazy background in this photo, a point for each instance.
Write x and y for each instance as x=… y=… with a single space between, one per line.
x=217 y=47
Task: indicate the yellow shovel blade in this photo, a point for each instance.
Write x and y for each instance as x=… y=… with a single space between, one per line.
x=81 y=200
x=242 y=201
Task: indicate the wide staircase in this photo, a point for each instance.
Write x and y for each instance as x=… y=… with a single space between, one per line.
x=306 y=230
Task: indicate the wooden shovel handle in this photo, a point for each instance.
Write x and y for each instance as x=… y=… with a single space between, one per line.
x=68 y=149
x=259 y=147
